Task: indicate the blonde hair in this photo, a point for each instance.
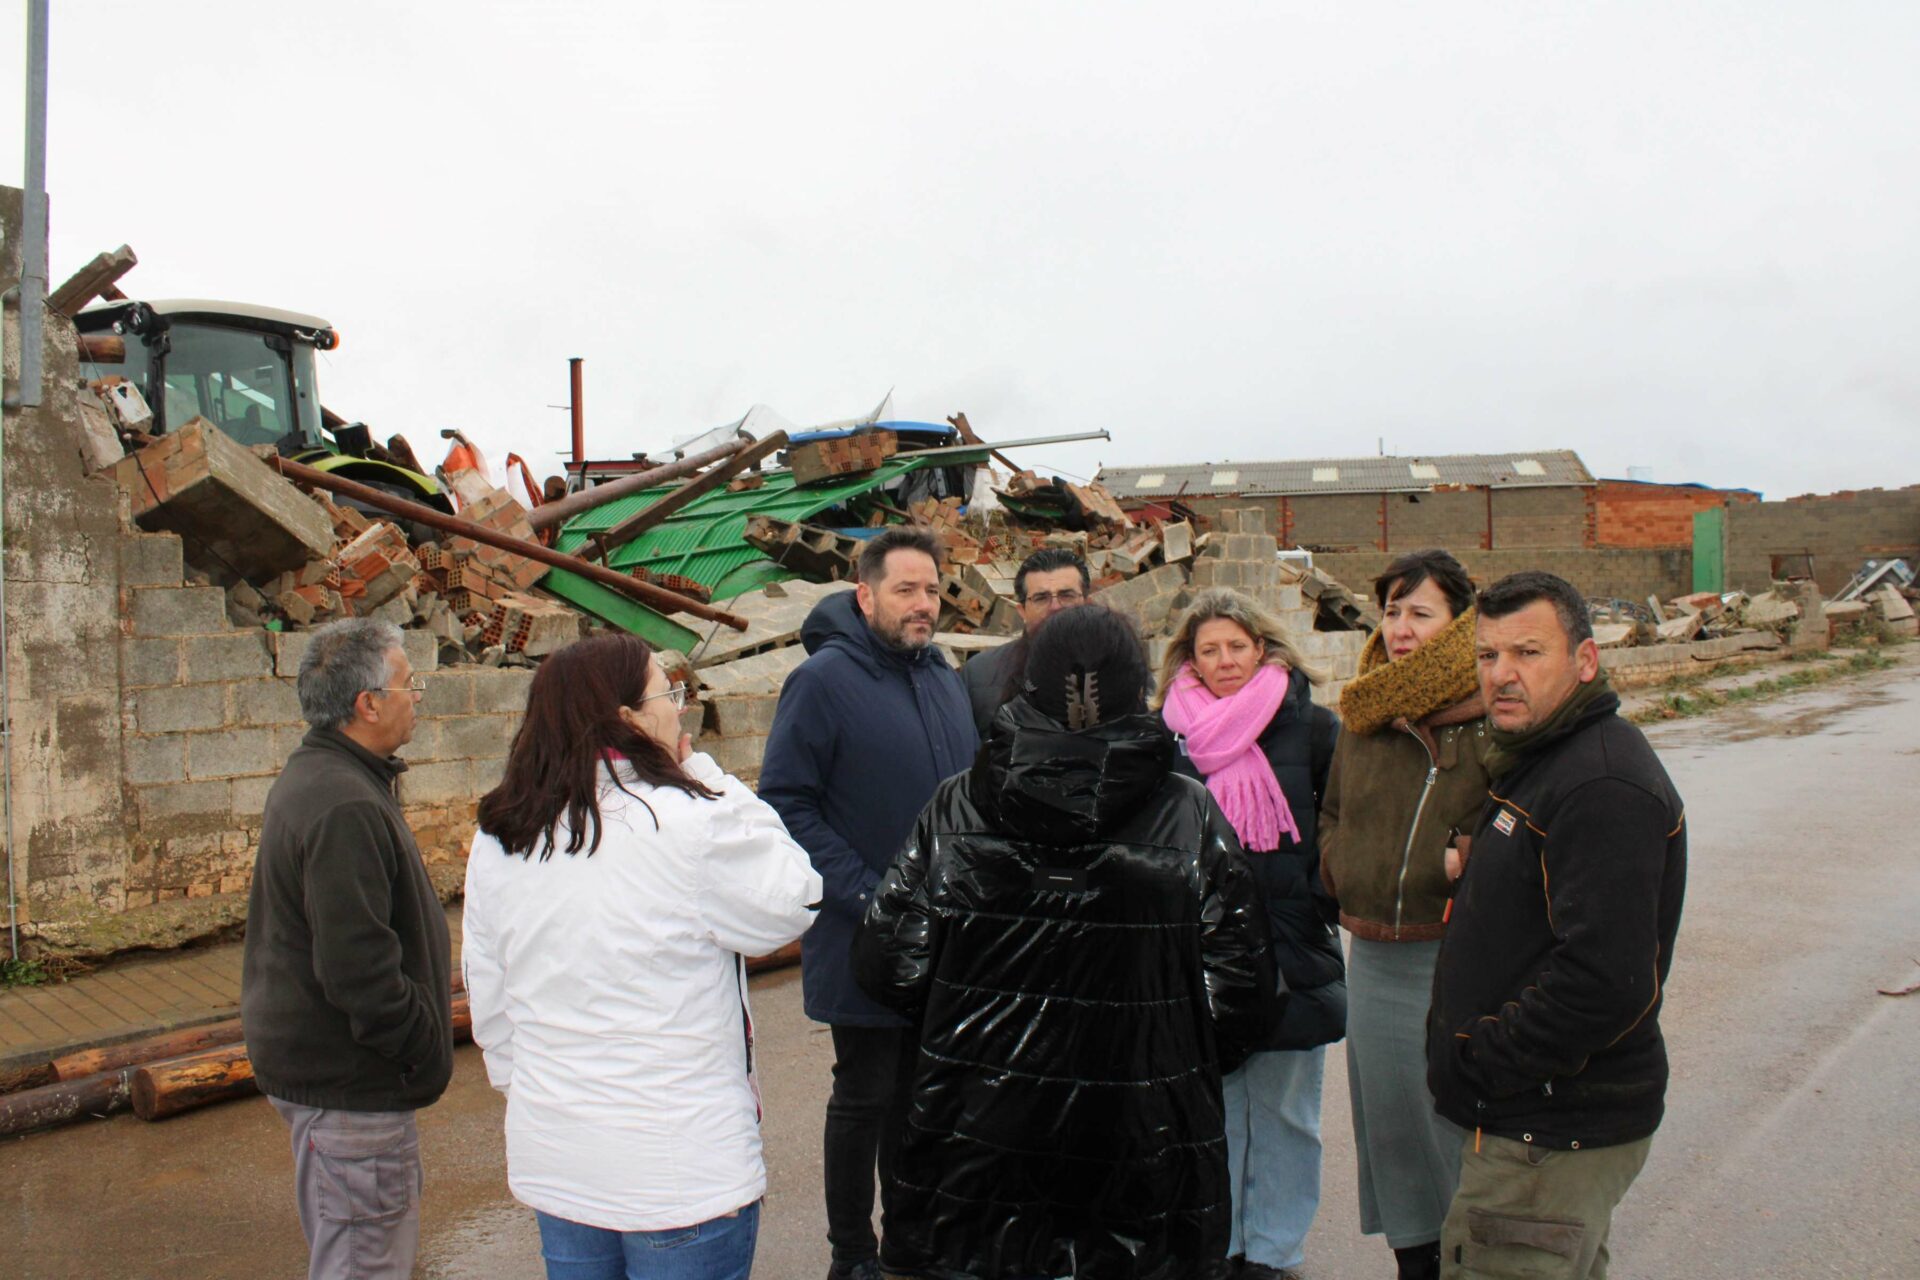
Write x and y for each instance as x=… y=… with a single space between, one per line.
x=1224 y=602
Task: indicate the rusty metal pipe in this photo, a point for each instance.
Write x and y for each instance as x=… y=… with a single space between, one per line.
x=647 y=593
x=634 y=525
x=579 y=412
x=557 y=513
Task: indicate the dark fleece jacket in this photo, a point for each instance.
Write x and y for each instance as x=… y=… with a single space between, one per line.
x=1545 y=1022
x=862 y=736
x=345 y=980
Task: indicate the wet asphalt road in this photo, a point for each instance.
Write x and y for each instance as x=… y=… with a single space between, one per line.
x=1791 y=1146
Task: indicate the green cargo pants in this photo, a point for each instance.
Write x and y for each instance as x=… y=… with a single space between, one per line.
x=1531 y=1213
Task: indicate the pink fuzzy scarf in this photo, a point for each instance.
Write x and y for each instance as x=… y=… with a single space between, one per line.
x=1223 y=741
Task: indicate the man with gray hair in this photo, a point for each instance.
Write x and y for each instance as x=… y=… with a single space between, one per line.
x=345 y=985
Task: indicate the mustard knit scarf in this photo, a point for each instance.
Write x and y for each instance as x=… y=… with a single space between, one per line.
x=1437 y=675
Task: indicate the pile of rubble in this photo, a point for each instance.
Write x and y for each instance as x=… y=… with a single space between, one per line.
x=293 y=555
x=1789 y=612
x=290 y=560
x=1148 y=571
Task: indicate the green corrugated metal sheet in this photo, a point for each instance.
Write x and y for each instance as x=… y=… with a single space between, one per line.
x=609 y=605
x=705 y=541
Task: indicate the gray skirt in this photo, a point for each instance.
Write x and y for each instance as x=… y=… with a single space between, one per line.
x=1408 y=1157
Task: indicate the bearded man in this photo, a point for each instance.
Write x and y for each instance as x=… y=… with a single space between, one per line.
x=867 y=727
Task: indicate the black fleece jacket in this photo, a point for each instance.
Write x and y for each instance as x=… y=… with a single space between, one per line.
x=1545 y=1022
x=345 y=980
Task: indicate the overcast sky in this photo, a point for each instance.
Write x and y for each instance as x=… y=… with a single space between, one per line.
x=1679 y=236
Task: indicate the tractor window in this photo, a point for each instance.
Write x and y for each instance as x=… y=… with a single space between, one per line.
x=233 y=378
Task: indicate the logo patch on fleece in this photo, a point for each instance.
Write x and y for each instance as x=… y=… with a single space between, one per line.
x=1504 y=822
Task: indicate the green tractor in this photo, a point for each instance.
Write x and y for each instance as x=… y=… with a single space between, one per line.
x=248 y=370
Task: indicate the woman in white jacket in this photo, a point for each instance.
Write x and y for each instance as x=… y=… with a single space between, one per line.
x=613 y=889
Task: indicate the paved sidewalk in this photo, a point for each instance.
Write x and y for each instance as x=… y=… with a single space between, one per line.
x=129 y=999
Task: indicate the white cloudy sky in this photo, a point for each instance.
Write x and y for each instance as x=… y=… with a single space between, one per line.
x=1680 y=236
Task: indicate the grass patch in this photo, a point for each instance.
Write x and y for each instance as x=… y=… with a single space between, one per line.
x=15 y=972
x=1689 y=696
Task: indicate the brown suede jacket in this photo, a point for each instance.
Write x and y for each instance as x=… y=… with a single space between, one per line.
x=1392 y=798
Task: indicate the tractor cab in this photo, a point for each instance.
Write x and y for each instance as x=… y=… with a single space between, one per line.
x=248 y=370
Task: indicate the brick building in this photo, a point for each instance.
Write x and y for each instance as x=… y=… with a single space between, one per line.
x=1637 y=513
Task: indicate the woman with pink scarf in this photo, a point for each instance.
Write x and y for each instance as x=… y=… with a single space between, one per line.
x=1235 y=691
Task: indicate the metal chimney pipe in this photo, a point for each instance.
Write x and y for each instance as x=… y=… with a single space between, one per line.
x=579 y=412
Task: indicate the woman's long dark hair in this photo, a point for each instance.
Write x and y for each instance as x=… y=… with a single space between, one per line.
x=572 y=723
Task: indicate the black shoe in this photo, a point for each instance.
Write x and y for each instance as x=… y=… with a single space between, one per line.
x=1261 y=1271
x=865 y=1269
x=1419 y=1261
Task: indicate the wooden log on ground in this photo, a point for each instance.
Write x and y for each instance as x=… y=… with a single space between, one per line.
x=131 y=1053
x=64 y=1101
x=162 y=1089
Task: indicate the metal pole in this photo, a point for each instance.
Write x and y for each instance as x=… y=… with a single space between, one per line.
x=551 y=514
x=32 y=292
x=33 y=237
x=579 y=414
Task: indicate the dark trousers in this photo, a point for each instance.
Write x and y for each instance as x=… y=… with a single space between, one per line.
x=866 y=1113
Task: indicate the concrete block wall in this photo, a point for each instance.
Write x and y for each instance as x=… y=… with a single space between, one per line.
x=210 y=714
x=1839 y=530
x=1557 y=517
x=1600 y=574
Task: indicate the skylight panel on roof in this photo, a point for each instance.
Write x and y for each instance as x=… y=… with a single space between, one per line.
x=1326 y=475
x=1424 y=470
x=1528 y=467
x=1151 y=480
x=1223 y=479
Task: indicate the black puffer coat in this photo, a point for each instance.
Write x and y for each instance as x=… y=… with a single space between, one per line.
x=1082 y=942
x=1299 y=745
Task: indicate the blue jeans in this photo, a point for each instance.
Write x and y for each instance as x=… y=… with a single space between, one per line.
x=1273 y=1153
x=718 y=1249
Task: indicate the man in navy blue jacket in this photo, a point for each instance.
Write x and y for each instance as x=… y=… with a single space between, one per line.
x=867 y=727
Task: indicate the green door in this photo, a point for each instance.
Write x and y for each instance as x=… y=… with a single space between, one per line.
x=1710 y=550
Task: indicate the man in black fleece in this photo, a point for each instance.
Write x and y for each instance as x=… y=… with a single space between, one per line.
x=344 y=991
x=1544 y=1033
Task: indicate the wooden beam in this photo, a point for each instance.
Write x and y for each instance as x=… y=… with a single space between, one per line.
x=92 y=281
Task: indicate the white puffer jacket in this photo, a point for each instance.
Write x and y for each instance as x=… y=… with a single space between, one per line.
x=609 y=997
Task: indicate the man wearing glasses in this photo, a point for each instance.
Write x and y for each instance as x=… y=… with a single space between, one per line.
x=345 y=981
x=1049 y=580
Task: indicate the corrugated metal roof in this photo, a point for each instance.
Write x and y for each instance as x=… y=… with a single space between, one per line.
x=705 y=539
x=1348 y=475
